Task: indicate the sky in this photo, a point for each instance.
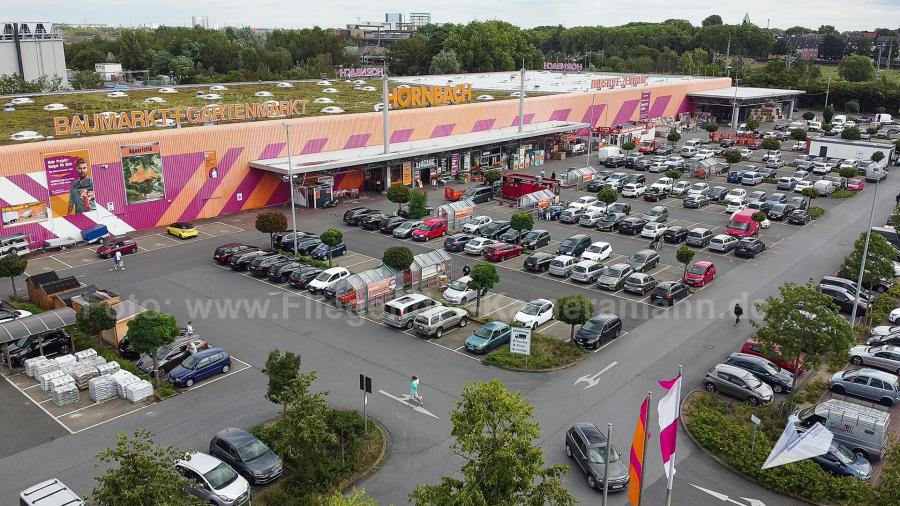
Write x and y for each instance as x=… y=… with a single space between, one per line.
x=843 y=14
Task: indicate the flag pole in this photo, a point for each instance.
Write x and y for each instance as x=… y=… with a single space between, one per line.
x=644 y=451
x=670 y=483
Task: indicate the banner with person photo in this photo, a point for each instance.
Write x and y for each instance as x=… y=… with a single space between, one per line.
x=69 y=182
x=142 y=170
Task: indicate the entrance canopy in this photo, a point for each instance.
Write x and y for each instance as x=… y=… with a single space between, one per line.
x=36 y=324
x=328 y=160
x=743 y=95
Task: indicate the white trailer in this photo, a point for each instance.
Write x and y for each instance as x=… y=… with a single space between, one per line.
x=833 y=147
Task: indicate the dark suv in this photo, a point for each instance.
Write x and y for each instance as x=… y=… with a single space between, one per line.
x=53 y=342
x=588 y=446
x=240 y=261
x=171 y=355
x=599 y=329
x=574 y=246
x=260 y=266
x=247 y=455
x=353 y=216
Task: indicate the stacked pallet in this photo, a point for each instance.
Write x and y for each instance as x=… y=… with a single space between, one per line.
x=82 y=374
x=85 y=354
x=32 y=363
x=65 y=394
x=67 y=363
x=60 y=381
x=45 y=378
x=122 y=379
x=102 y=387
x=108 y=368
x=43 y=367
x=138 y=391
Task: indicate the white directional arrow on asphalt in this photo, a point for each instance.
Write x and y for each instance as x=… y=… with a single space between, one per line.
x=405 y=400
x=593 y=379
x=724 y=498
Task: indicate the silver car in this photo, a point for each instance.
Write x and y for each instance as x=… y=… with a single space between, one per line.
x=882 y=357
x=739 y=383
x=871 y=384
x=405 y=229
x=562 y=265
x=435 y=321
x=586 y=270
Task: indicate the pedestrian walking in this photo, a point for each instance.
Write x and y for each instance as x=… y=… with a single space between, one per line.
x=738 y=312
x=897 y=199
x=553 y=175
x=654 y=244
x=414 y=390
x=466 y=270
x=119 y=265
x=189 y=329
x=542 y=173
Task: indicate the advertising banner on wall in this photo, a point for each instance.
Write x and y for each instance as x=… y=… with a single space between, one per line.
x=69 y=182
x=645 y=105
x=142 y=170
x=21 y=214
x=407 y=173
x=211 y=165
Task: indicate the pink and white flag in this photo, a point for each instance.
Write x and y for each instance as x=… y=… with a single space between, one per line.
x=669 y=409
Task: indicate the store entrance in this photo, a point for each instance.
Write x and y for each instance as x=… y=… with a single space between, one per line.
x=374 y=179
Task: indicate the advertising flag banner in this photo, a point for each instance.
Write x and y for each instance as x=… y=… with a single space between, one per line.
x=69 y=182
x=142 y=170
x=636 y=464
x=669 y=408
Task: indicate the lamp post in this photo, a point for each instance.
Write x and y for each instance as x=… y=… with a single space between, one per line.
x=606 y=463
x=734 y=107
x=863 y=260
x=287 y=136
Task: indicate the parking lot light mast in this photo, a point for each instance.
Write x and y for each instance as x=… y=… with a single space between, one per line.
x=287 y=136
x=606 y=463
x=734 y=107
x=862 y=263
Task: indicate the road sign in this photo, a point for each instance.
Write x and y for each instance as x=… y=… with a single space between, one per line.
x=520 y=341
x=755 y=420
x=365 y=383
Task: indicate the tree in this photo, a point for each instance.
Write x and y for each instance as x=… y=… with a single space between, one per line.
x=271 y=222
x=398 y=258
x=852 y=106
x=150 y=330
x=353 y=498
x=856 y=68
x=495 y=434
x=771 y=144
x=733 y=156
x=848 y=172
x=141 y=474
x=491 y=176
x=418 y=204
x=809 y=115
x=877 y=156
x=798 y=134
x=879 y=264
x=281 y=371
x=444 y=62
x=86 y=80
x=826 y=127
x=673 y=173
x=95 y=318
x=607 y=195
x=12 y=265
x=851 y=133
x=574 y=310
x=521 y=221
x=628 y=146
x=711 y=127
x=398 y=193
x=331 y=238
x=759 y=217
x=684 y=255
x=895 y=218
x=802 y=319
x=484 y=277
x=827 y=114
x=871 y=130
x=712 y=20
x=810 y=193
x=673 y=137
x=752 y=123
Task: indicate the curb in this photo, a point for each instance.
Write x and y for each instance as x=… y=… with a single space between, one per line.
x=382 y=458
x=725 y=464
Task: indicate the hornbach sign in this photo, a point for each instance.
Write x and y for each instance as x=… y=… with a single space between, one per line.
x=132 y=120
x=419 y=96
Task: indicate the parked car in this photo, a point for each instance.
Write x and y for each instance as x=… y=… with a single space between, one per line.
x=885 y=357
x=696 y=201
x=473 y=226
x=669 y=292
x=735 y=194
x=699 y=237
x=863 y=429
x=614 y=276
x=597 y=252
x=430 y=229
x=511 y=236
x=247 y=455
x=437 y=320
x=870 y=384
x=535 y=239
x=634 y=190
x=653 y=230
x=477 y=245
x=171 y=355
x=562 y=265
x=599 y=329
x=571 y=215
x=282 y=272
x=586 y=271
x=656 y=214
x=405 y=229
x=373 y=221
x=631 y=225
x=590 y=218
x=534 y=313
x=403 y=211
x=457 y=242
x=738 y=383
x=320 y=252
x=700 y=273
x=675 y=235
x=387 y=226
x=842 y=462
x=326 y=278
x=199 y=366
x=845 y=299
x=639 y=283
x=781 y=380
x=753 y=347
x=681 y=187
x=501 y=251
x=213 y=481
x=487 y=337
x=479 y=195
x=182 y=230
x=734 y=176
x=574 y=245
x=723 y=243
x=353 y=216
x=799 y=217
x=619 y=207
x=749 y=247
x=224 y=252
x=54 y=342
x=302 y=277
x=459 y=292
x=587 y=445
x=610 y=221
x=644 y=260
x=124 y=245
x=401 y=312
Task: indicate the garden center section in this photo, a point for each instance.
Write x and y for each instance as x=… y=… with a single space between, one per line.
x=144 y=179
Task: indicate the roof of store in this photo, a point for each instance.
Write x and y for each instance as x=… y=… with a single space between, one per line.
x=541 y=81
x=744 y=93
x=327 y=160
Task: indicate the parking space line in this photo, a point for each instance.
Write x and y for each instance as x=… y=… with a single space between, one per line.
x=135 y=410
x=501 y=308
x=88 y=406
x=60 y=261
x=222 y=376
x=64 y=426
x=236 y=229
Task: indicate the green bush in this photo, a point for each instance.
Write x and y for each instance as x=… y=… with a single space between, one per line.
x=894 y=291
x=812 y=391
x=816 y=212
x=837 y=361
x=883 y=305
x=24 y=306
x=165 y=390
x=546 y=353
x=843 y=194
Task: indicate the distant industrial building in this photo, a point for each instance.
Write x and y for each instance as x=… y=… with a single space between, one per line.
x=419 y=19
x=394 y=20
x=200 y=21
x=32 y=50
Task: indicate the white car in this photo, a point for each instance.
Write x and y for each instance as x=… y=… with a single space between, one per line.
x=821 y=168
x=597 y=252
x=458 y=291
x=117 y=94
x=21 y=101
x=535 y=313
x=218 y=87
x=681 y=187
x=167 y=90
x=26 y=135
x=475 y=224
x=154 y=100
x=484 y=98
x=746 y=153
x=799 y=146
x=698 y=189
x=663 y=183
x=8 y=315
x=736 y=205
x=850 y=163
x=802 y=185
x=723 y=243
x=477 y=245
x=597 y=207
x=284 y=85
x=653 y=230
x=814 y=126
x=656 y=167
x=590 y=218
x=704 y=154
x=634 y=190
x=213 y=481
x=894 y=315
x=584 y=202
x=772 y=153
x=326 y=278
x=56 y=106
x=735 y=194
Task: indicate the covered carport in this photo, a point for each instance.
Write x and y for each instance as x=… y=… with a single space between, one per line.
x=736 y=102
x=34 y=325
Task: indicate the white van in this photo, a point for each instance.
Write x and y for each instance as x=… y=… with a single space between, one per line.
x=884 y=119
x=693 y=143
x=860 y=428
x=814 y=126
x=838 y=120
x=401 y=311
x=875 y=173
x=825 y=187
x=689 y=151
x=604 y=153
x=49 y=493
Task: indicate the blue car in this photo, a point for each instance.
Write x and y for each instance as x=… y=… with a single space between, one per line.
x=200 y=366
x=735 y=176
x=487 y=337
x=320 y=252
x=841 y=461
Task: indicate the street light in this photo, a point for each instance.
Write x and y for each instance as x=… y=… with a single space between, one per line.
x=865 y=258
x=287 y=136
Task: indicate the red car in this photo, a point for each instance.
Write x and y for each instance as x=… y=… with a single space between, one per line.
x=501 y=252
x=856 y=184
x=752 y=347
x=700 y=273
x=123 y=244
x=430 y=228
x=756 y=144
